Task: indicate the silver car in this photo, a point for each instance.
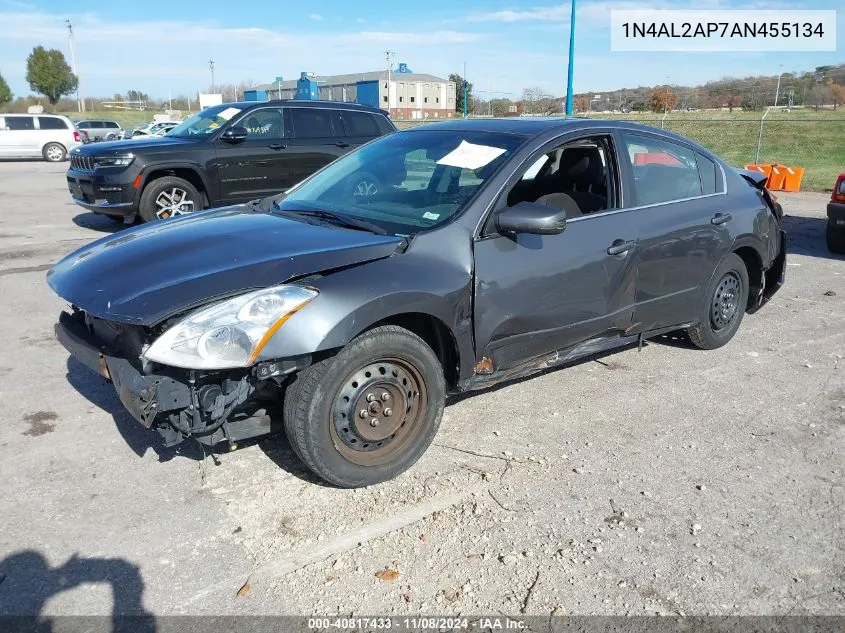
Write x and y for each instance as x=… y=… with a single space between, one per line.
x=101 y=130
x=50 y=136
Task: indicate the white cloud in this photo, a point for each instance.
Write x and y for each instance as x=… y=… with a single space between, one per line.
x=176 y=53
x=598 y=12
x=316 y=16
x=361 y=21
x=549 y=13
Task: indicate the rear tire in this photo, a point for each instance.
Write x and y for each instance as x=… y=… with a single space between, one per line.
x=373 y=375
x=835 y=238
x=724 y=305
x=54 y=152
x=168 y=196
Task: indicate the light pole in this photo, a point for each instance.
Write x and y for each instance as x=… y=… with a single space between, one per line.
x=777 y=90
x=80 y=103
x=211 y=66
x=571 y=60
x=389 y=56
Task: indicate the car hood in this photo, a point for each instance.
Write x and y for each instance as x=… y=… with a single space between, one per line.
x=133 y=145
x=146 y=274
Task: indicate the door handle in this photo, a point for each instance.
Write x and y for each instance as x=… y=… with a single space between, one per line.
x=277 y=146
x=342 y=144
x=721 y=218
x=620 y=247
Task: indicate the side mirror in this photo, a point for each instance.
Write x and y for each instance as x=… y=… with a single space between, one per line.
x=528 y=217
x=235 y=134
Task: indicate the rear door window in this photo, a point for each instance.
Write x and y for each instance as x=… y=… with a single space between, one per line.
x=312 y=123
x=360 y=124
x=384 y=125
x=20 y=123
x=663 y=171
x=51 y=123
x=112 y=125
x=709 y=175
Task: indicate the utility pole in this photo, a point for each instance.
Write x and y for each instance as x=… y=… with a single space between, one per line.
x=389 y=57
x=211 y=66
x=569 y=77
x=465 y=90
x=80 y=103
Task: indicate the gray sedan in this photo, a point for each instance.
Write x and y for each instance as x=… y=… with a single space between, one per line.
x=437 y=260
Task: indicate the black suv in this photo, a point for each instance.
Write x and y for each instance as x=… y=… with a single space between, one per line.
x=226 y=154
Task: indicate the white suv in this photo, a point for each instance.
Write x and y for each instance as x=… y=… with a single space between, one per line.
x=50 y=136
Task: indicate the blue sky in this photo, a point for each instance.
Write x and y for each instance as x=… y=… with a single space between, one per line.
x=163 y=47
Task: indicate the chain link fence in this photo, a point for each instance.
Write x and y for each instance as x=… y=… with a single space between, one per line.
x=816 y=143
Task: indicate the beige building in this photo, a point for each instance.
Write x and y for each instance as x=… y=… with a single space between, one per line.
x=404 y=95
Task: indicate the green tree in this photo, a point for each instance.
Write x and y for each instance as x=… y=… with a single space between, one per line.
x=48 y=73
x=5 y=92
x=459 y=94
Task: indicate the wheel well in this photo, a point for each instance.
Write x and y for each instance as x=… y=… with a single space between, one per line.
x=754 y=266
x=185 y=173
x=438 y=336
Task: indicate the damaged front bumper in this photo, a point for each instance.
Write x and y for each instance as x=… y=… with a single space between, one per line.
x=210 y=407
x=140 y=394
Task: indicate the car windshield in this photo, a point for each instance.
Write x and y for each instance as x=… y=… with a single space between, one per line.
x=205 y=122
x=405 y=182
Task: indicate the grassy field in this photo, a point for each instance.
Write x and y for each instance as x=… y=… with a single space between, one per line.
x=126 y=118
x=808 y=139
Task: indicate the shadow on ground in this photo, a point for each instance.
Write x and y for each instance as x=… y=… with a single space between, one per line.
x=99 y=222
x=806 y=236
x=27 y=582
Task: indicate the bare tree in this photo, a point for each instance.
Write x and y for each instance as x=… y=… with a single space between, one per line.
x=540 y=102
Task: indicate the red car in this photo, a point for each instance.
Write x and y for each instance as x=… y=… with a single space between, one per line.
x=836 y=218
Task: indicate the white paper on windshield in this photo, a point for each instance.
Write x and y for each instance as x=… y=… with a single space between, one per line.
x=228 y=113
x=471 y=156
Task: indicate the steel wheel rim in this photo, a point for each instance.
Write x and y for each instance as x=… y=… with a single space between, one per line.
x=172 y=202
x=365 y=188
x=54 y=153
x=399 y=414
x=724 y=307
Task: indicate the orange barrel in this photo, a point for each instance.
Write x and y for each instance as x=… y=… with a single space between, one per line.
x=792 y=180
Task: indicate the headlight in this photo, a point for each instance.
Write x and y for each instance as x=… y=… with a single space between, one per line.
x=231 y=333
x=121 y=160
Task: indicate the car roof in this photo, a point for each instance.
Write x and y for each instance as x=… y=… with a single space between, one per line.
x=536 y=126
x=42 y=114
x=302 y=103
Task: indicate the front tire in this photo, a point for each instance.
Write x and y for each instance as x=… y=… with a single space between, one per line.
x=368 y=413
x=54 y=152
x=167 y=197
x=725 y=302
x=835 y=238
